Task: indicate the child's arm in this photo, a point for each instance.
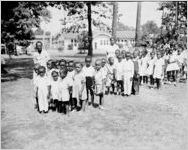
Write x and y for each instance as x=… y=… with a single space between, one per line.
x=37 y=92
x=49 y=91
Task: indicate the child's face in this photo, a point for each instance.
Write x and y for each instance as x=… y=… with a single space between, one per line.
x=71 y=67
x=123 y=54
x=158 y=55
x=98 y=65
x=117 y=53
x=120 y=58
x=62 y=65
x=55 y=77
x=78 y=68
x=103 y=63
x=111 y=61
x=88 y=63
x=152 y=55
x=42 y=73
x=49 y=65
x=62 y=75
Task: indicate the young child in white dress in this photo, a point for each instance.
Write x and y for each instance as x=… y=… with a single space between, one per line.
x=54 y=91
x=64 y=90
x=42 y=90
x=110 y=80
x=89 y=72
x=79 y=86
x=99 y=83
x=158 y=70
x=70 y=75
x=150 y=68
x=119 y=75
x=35 y=76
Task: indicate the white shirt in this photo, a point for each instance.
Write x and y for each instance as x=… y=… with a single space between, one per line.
x=64 y=85
x=41 y=58
x=150 y=66
x=70 y=75
x=119 y=70
x=128 y=68
x=158 y=70
x=99 y=76
x=89 y=71
x=54 y=89
x=111 y=50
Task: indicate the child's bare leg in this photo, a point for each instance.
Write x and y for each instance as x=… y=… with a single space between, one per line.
x=67 y=108
x=83 y=105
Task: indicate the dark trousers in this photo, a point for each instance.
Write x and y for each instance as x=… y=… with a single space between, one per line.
x=135 y=85
x=145 y=79
x=89 y=84
x=152 y=81
x=158 y=82
x=120 y=85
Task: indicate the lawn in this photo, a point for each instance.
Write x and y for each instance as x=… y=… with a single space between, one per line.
x=153 y=120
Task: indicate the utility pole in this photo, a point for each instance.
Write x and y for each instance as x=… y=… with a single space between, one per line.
x=115 y=19
x=138 y=20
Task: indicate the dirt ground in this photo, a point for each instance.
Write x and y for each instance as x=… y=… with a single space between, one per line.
x=153 y=120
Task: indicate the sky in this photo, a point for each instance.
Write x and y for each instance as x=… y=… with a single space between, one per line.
x=127 y=9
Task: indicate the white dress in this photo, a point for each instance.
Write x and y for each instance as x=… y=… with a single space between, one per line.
x=110 y=74
x=150 y=66
x=144 y=62
x=119 y=70
x=99 y=77
x=64 y=85
x=78 y=80
x=158 y=70
x=54 y=89
x=42 y=84
x=172 y=65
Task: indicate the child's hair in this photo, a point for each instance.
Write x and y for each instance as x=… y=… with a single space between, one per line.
x=63 y=71
x=98 y=60
x=71 y=61
x=42 y=69
x=63 y=60
x=54 y=72
x=88 y=58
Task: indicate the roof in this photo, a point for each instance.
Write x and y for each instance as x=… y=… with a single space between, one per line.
x=125 y=34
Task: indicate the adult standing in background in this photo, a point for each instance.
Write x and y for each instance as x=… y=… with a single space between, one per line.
x=41 y=56
x=112 y=48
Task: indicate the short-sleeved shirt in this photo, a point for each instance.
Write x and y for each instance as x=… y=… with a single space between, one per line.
x=119 y=70
x=111 y=50
x=158 y=70
x=41 y=58
x=54 y=89
x=99 y=77
x=64 y=85
x=89 y=71
x=70 y=75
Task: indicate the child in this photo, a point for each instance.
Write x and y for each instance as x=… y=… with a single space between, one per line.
x=158 y=69
x=128 y=72
x=150 y=67
x=104 y=71
x=57 y=66
x=35 y=76
x=64 y=91
x=119 y=74
x=99 y=83
x=79 y=86
x=136 y=76
x=110 y=76
x=123 y=52
x=117 y=53
x=54 y=91
x=89 y=74
x=42 y=90
x=62 y=64
x=144 y=66
x=49 y=69
x=70 y=75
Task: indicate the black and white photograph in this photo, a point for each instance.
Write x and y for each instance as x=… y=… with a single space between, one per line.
x=94 y=75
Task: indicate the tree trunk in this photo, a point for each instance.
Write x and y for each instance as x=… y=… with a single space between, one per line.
x=138 y=20
x=90 y=36
x=115 y=19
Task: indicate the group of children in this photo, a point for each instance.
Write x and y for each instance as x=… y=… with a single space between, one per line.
x=72 y=85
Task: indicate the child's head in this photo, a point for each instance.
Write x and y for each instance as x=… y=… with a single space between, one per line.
x=49 y=64
x=63 y=73
x=117 y=53
x=98 y=64
x=88 y=60
x=36 y=68
x=128 y=55
x=158 y=55
x=78 y=67
x=62 y=63
x=70 y=65
x=111 y=60
x=55 y=75
x=42 y=71
x=103 y=63
x=152 y=54
x=57 y=66
x=119 y=58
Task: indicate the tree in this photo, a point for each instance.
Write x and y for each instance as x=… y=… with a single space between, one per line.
x=18 y=19
x=122 y=27
x=79 y=13
x=174 y=19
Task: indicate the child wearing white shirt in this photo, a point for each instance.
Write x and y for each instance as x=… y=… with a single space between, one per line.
x=79 y=86
x=64 y=90
x=158 y=70
x=119 y=75
x=128 y=72
x=89 y=72
x=42 y=90
x=99 y=83
x=150 y=68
